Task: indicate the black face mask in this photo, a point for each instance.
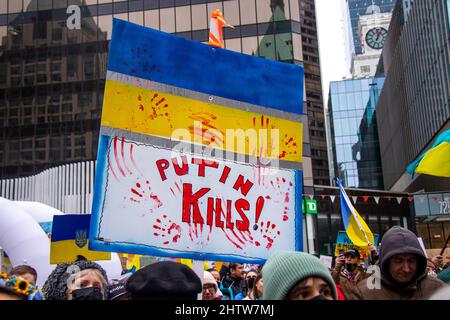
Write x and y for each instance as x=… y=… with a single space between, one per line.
x=90 y=293
x=251 y=283
x=319 y=297
x=351 y=267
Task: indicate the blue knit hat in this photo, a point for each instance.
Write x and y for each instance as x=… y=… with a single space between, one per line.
x=285 y=269
x=444 y=275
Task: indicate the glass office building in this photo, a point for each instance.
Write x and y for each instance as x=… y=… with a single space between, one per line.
x=359 y=8
x=52 y=72
x=354 y=135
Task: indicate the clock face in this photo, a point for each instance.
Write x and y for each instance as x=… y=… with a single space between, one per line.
x=375 y=38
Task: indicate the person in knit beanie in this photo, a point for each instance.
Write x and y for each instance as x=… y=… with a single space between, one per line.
x=444 y=275
x=297 y=276
x=80 y=280
x=210 y=289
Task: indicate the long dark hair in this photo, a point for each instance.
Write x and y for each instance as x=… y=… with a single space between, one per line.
x=255 y=290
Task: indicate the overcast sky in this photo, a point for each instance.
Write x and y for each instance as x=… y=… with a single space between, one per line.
x=334 y=63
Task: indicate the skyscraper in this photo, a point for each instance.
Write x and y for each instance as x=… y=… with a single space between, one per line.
x=358 y=8
x=354 y=136
x=414 y=104
x=314 y=100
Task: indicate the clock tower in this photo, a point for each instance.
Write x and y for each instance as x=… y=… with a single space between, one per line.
x=373 y=32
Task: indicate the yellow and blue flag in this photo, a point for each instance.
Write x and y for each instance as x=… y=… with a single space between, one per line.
x=70 y=234
x=436 y=160
x=355 y=227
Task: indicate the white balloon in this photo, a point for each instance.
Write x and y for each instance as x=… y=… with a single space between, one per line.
x=39 y=211
x=22 y=238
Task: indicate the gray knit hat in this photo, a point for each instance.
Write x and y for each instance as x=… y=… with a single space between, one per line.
x=55 y=288
x=285 y=269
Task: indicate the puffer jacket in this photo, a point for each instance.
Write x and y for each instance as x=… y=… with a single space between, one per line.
x=398 y=241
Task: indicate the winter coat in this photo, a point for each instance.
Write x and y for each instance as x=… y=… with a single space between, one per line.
x=346 y=286
x=398 y=241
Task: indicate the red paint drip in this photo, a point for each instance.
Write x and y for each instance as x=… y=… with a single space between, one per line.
x=166 y=242
x=257 y=244
x=132 y=159
x=285 y=218
x=117 y=157
x=154 y=96
x=228 y=237
x=138 y=185
x=268 y=197
x=111 y=168
x=122 y=153
x=160 y=101
x=136 y=193
x=259 y=207
x=286 y=197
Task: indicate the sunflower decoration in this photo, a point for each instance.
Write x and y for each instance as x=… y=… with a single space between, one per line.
x=3 y=276
x=17 y=285
x=22 y=286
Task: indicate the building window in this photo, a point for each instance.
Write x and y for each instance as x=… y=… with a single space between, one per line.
x=365 y=69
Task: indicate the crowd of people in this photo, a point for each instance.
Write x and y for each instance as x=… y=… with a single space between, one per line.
x=400 y=270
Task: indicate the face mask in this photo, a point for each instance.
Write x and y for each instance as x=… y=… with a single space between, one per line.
x=350 y=267
x=318 y=298
x=90 y=293
x=251 y=283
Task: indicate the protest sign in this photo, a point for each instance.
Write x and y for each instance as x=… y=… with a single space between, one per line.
x=343 y=242
x=200 y=151
x=327 y=261
x=69 y=239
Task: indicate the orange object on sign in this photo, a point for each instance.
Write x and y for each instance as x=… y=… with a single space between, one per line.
x=217 y=23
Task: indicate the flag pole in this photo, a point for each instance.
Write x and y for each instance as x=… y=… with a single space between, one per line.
x=445 y=245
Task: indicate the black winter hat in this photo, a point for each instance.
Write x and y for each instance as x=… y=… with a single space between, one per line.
x=353 y=252
x=164 y=281
x=55 y=288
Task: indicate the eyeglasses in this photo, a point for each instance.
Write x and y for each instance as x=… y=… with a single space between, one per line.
x=209 y=287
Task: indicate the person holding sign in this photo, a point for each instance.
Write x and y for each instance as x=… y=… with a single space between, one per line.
x=347 y=272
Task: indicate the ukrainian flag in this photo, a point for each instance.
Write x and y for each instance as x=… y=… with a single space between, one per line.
x=355 y=227
x=70 y=237
x=435 y=161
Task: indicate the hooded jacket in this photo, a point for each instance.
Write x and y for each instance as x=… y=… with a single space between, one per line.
x=397 y=241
